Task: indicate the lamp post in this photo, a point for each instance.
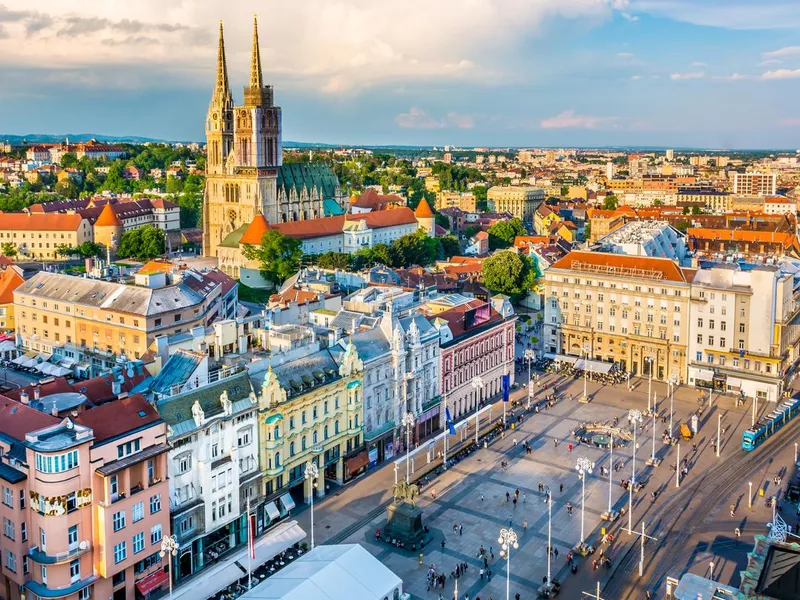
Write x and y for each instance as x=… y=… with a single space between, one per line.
x=586 y=372
x=408 y=422
x=653 y=461
x=311 y=473
x=719 y=426
x=750 y=494
x=672 y=383
x=584 y=467
x=610 y=515
x=507 y=540
x=634 y=417
x=477 y=385
x=678 y=467
x=530 y=356
x=649 y=360
x=169 y=548
x=549 y=534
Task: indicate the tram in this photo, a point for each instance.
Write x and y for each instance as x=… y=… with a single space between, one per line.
x=770 y=424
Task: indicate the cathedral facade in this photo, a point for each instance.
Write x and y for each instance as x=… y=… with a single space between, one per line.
x=245 y=176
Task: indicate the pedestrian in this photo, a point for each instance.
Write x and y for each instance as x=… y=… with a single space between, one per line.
x=461 y=529
x=516 y=493
x=525 y=525
x=733 y=509
x=569 y=447
x=442 y=544
x=433 y=493
x=561 y=488
x=524 y=497
x=481 y=497
x=510 y=521
x=515 y=502
x=515 y=441
x=555 y=552
x=481 y=573
x=508 y=496
x=491 y=552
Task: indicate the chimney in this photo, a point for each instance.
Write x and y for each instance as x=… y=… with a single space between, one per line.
x=37 y=391
x=116 y=386
x=24 y=398
x=54 y=411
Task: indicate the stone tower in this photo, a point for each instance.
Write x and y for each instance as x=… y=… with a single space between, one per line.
x=244 y=153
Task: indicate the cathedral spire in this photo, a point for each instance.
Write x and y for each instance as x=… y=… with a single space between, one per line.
x=222 y=89
x=255 y=63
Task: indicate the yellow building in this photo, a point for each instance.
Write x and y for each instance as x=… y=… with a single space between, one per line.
x=520 y=201
x=463 y=201
x=544 y=218
x=94 y=321
x=629 y=310
x=432 y=183
x=36 y=236
x=577 y=191
x=311 y=410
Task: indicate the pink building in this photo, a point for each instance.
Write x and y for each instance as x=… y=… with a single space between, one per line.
x=476 y=341
x=84 y=501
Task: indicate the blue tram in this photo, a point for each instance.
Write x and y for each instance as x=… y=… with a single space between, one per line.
x=770 y=424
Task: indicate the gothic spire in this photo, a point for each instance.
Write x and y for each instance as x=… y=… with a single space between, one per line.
x=256 y=82
x=222 y=89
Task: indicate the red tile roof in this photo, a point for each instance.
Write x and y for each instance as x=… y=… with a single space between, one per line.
x=10 y=280
x=596 y=262
x=117 y=418
x=39 y=222
x=423 y=210
x=373 y=200
x=786 y=239
x=455 y=317
x=522 y=241
x=17 y=419
x=333 y=225
x=96 y=390
x=108 y=218
x=255 y=231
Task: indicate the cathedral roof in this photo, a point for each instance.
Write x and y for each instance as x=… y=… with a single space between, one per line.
x=108 y=218
x=233 y=238
x=300 y=176
x=255 y=231
x=423 y=210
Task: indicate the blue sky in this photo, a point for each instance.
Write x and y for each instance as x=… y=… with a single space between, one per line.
x=710 y=73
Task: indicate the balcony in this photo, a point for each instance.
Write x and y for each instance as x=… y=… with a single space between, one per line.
x=42 y=591
x=429 y=404
x=317 y=448
x=41 y=557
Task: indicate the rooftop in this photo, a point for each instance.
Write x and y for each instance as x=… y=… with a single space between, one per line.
x=603 y=264
x=115 y=419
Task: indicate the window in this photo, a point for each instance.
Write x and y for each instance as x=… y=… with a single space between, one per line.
x=711 y=359
x=722 y=342
x=8 y=497
x=699 y=322
x=128 y=448
x=155 y=534
x=699 y=356
x=138 y=543
x=85 y=593
x=8 y=529
x=741 y=327
x=44 y=573
x=74 y=571
x=711 y=323
x=723 y=325
x=56 y=463
x=699 y=338
x=244 y=437
x=72 y=537
x=120 y=552
x=42 y=539
x=114 y=485
x=184 y=463
x=119 y=520
x=711 y=340
x=23 y=527
x=137 y=512
x=155 y=503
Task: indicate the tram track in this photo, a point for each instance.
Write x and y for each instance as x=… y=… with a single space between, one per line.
x=675 y=521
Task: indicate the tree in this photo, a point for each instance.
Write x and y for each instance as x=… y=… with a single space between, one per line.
x=8 y=249
x=509 y=273
x=278 y=255
x=65 y=250
x=89 y=250
x=502 y=233
x=450 y=246
x=480 y=192
x=142 y=243
x=413 y=249
x=471 y=230
x=610 y=203
x=696 y=210
x=658 y=203
x=443 y=220
x=333 y=260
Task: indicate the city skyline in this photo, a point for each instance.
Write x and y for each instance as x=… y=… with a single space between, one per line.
x=568 y=73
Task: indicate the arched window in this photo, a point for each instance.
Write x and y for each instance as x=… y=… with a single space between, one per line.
x=314 y=437
x=336 y=427
x=277 y=460
x=276 y=433
x=291 y=449
x=303 y=443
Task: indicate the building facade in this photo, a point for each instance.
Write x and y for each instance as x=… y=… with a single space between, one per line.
x=84 y=501
x=38 y=236
x=628 y=310
x=755 y=184
x=520 y=201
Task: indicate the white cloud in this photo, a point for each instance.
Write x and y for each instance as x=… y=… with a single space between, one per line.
x=698 y=64
x=570 y=120
x=735 y=77
x=767 y=63
x=417 y=118
x=629 y=17
x=636 y=77
x=692 y=75
x=728 y=14
x=788 y=51
x=625 y=54
x=782 y=74
x=339 y=46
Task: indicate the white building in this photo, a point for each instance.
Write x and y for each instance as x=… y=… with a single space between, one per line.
x=779 y=205
x=647 y=238
x=755 y=184
x=742 y=331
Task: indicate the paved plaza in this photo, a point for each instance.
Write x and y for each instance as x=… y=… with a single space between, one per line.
x=473 y=493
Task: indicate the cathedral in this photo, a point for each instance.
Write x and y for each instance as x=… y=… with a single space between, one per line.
x=245 y=176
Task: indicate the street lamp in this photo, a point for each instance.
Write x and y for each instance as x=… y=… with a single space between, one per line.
x=508 y=540
x=584 y=467
x=530 y=356
x=311 y=473
x=653 y=461
x=169 y=548
x=673 y=381
x=408 y=422
x=586 y=349
x=649 y=360
x=610 y=515
x=634 y=417
x=477 y=385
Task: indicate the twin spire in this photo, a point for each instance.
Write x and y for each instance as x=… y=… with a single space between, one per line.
x=256 y=78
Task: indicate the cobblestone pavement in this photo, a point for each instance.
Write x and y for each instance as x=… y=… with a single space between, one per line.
x=472 y=494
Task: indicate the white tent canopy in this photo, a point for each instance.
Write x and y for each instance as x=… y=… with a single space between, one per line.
x=597 y=366
x=340 y=572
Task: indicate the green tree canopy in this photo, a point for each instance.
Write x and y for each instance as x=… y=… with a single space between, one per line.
x=279 y=255
x=413 y=249
x=8 y=249
x=611 y=202
x=509 y=273
x=502 y=233
x=450 y=246
x=142 y=243
x=333 y=260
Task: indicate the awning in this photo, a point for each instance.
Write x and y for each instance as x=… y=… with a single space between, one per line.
x=272 y=511
x=563 y=358
x=356 y=462
x=152 y=582
x=19 y=360
x=734 y=382
x=7 y=346
x=222 y=574
x=597 y=366
x=287 y=501
x=707 y=374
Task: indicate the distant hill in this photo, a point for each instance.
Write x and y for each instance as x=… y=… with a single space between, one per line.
x=46 y=138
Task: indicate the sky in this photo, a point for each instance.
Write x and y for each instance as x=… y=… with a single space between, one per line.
x=719 y=74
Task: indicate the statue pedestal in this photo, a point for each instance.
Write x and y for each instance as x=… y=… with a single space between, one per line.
x=404 y=524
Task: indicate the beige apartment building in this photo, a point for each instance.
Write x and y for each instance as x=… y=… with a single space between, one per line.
x=755 y=184
x=95 y=321
x=36 y=236
x=520 y=201
x=462 y=201
x=628 y=310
